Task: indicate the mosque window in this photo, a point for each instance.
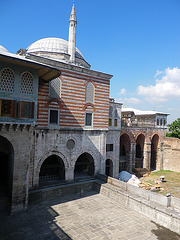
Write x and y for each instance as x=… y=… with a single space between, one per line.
x=53 y=117
x=26 y=83
x=115 y=122
x=110 y=122
x=89 y=92
x=26 y=109
x=164 y=122
x=7 y=80
x=88 y=119
x=8 y=108
x=55 y=88
x=161 y=122
x=157 y=121
x=109 y=147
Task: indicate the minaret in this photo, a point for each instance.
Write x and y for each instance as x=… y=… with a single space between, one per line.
x=72 y=34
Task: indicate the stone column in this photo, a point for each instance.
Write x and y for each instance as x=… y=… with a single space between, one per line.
x=102 y=151
x=69 y=174
x=132 y=156
x=147 y=155
x=159 y=164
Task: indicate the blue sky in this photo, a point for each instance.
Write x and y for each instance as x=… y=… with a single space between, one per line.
x=137 y=41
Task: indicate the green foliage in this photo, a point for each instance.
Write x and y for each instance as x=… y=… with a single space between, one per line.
x=174 y=129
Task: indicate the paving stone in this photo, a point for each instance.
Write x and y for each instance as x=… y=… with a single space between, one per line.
x=90 y=218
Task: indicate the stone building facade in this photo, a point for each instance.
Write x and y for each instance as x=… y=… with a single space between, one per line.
x=57 y=123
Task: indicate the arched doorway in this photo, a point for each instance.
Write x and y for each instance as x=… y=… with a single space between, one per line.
x=124 y=152
x=154 y=147
x=109 y=167
x=139 y=151
x=6 y=174
x=52 y=170
x=84 y=166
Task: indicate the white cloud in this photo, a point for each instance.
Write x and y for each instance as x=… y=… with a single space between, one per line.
x=165 y=88
x=129 y=100
x=123 y=91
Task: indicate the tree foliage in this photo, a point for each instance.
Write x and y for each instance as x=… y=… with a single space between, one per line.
x=174 y=129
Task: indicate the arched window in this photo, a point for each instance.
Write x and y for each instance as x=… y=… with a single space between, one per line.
x=89 y=93
x=7 y=80
x=55 y=88
x=161 y=122
x=157 y=121
x=26 y=83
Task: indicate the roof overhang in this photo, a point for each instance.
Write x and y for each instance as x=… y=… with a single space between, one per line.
x=46 y=73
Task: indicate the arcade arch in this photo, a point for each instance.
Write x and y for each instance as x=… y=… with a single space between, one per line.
x=6 y=173
x=52 y=170
x=125 y=144
x=84 y=166
x=139 y=151
x=154 y=150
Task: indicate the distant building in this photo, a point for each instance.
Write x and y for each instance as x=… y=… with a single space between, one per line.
x=142 y=136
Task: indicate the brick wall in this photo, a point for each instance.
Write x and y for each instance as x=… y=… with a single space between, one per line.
x=72 y=103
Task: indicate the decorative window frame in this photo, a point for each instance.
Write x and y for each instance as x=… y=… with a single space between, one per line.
x=13 y=108
x=53 y=125
x=31 y=109
x=92 y=119
x=1 y=72
x=89 y=83
x=21 y=90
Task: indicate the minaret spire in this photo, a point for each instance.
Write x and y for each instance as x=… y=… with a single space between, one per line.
x=72 y=34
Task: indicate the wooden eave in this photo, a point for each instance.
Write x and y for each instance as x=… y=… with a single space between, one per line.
x=46 y=72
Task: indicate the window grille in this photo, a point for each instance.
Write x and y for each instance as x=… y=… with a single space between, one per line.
x=55 y=88
x=26 y=109
x=26 y=83
x=7 y=80
x=89 y=94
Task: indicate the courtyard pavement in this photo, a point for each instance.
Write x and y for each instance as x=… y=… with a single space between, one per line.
x=93 y=216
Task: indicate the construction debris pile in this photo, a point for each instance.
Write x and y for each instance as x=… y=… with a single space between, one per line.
x=133 y=180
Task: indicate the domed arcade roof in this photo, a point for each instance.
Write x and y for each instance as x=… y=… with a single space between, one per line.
x=3 y=49
x=52 y=45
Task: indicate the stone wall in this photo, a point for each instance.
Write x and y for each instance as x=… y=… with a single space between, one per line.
x=171 y=154
x=54 y=142
x=20 y=140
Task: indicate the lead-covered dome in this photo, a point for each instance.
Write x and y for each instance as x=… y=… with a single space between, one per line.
x=3 y=49
x=57 y=49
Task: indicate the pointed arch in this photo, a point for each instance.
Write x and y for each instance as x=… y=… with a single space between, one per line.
x=154 y=150
x=140 y=141
x=89 y=92
x=125 y=146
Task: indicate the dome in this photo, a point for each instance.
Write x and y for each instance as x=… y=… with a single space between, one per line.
x=52 y=46
x=2 y=49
